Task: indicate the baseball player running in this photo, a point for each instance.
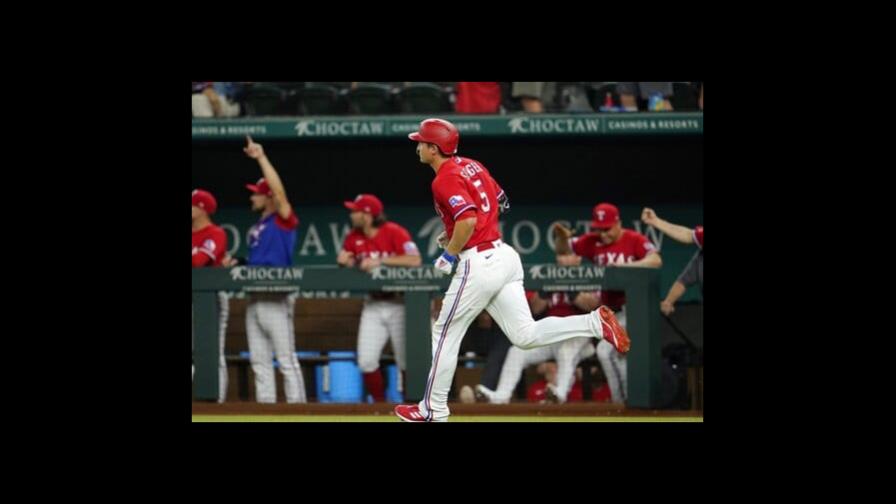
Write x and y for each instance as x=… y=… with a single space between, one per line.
x=489 y=273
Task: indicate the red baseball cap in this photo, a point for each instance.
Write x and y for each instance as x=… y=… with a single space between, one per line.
x=260 y=187
x=365 y=203
x=205 y=200
x=605 y=216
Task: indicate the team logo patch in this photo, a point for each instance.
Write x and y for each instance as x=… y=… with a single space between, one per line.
x=410 y=248
x=255 y=234
x=456 y=200
x=209 y=245
x=649 y=246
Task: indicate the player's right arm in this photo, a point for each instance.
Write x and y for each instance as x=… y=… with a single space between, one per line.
x=463 y=230
x=678 y=233
x=256 y=152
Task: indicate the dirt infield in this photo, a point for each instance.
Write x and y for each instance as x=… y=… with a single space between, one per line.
x=517 y=409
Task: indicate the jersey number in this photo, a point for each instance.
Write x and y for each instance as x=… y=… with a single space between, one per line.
x=469 y=171
x=485 y=206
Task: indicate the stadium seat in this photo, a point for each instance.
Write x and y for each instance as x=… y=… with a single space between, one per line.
x=423 y=98
x=370 y=99
x=264 y=100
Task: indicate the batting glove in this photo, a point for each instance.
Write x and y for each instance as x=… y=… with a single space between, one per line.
x=445 y=263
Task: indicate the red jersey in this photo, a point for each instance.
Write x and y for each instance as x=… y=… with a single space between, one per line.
x=698 y=236
x=390 y=240
x=209 y=246
x=463 y=188
x=630 y=247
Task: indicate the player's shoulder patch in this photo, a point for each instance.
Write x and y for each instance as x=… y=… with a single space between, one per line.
x=456 y=201
x=410 y=248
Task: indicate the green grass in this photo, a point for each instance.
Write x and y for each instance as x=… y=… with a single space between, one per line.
x=392 y=419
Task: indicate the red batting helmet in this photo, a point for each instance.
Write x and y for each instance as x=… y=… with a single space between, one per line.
x=439 y=132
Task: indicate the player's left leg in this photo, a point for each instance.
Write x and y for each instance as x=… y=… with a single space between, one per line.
x=511 y=311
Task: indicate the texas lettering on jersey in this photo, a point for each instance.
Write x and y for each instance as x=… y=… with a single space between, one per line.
x=631 y=246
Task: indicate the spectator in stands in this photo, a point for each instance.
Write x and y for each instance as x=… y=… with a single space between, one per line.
x=216 y=99
x=201 y=105
x=477 y=98
x=572 y=97
x=232 y=95
x=534 y=96
x=635 y=95
x=693 y=272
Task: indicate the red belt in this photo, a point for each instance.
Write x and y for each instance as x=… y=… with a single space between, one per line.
x=483 y=246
